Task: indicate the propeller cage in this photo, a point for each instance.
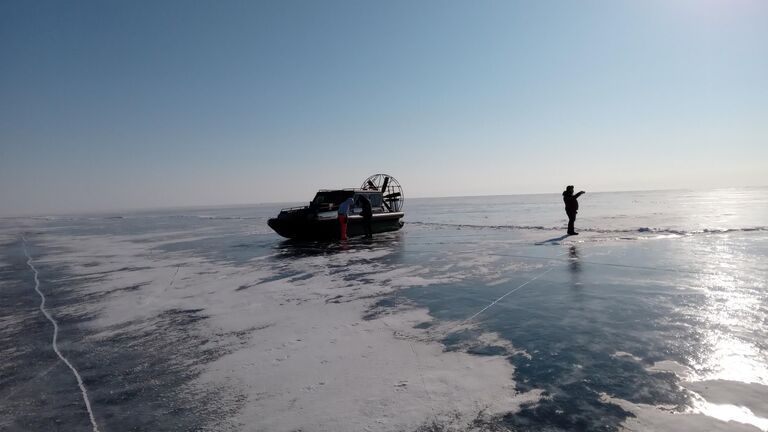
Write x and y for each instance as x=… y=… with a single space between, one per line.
x=391 y=191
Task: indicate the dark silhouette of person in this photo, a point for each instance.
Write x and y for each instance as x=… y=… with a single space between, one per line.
x=367 y=214
x=571 y=207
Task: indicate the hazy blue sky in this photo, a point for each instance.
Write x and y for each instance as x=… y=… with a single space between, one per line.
x=124 y=104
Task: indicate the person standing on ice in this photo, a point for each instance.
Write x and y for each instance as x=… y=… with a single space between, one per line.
x=344 y=209
x=367 y=214
x=571 y=207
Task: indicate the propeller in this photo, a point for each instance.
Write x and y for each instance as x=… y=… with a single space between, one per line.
x=391 y=191
x=384 y=184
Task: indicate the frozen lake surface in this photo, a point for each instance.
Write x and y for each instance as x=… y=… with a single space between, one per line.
x=478 y=315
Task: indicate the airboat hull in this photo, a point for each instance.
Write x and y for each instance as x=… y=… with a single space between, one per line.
x=328 y=228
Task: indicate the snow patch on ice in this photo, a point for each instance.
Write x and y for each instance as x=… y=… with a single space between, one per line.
x=308 y=362
x=667 y=419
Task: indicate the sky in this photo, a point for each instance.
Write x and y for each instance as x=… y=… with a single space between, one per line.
x=109 y=105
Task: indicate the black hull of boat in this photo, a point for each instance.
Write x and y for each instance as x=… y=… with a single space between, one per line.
x=328 y=229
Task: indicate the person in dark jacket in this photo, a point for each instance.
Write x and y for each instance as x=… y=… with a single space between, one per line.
x=367 y=214
x=571 y=207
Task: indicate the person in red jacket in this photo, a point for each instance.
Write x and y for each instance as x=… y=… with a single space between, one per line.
x=343 y=213
x=571 y=207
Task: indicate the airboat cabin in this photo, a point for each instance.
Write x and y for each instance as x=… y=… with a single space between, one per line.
x=330 y=199
x=318 y=220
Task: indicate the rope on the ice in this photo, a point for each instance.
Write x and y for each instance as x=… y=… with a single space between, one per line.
x=515 y=289
x=56 y=335
x=508 y=293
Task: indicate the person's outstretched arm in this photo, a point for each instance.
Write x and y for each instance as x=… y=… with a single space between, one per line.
x=579 y=194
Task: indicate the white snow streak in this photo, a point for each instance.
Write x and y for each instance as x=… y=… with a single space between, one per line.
x=56 y=335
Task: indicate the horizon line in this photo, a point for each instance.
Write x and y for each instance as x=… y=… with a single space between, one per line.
x=236 y=205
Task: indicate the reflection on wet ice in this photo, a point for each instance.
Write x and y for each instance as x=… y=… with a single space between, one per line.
x=733 y=322
x=727 y=412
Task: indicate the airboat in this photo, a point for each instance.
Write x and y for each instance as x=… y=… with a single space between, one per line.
x=319 y=220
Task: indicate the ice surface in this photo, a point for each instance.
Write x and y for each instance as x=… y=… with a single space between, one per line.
x=204 y=320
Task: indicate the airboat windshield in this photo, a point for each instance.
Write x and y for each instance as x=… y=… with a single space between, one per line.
x=332 y=197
